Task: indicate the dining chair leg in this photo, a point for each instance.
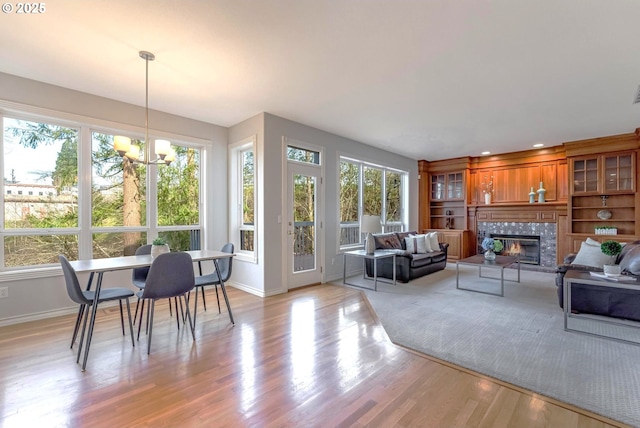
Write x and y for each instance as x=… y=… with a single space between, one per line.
x=177 y=315
x=217 y=298
x=90 y=335
x=192 y=325
x=204 y=300
x=135 y=316
x=84 y=329
x=121 y=316
x=140 y=320
x=170 y=312
x=133 y=342
x=195 y=307
x=152 y=305
x=77 y=327
x=224 y=291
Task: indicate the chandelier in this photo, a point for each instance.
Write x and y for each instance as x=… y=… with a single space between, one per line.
x=131 y=152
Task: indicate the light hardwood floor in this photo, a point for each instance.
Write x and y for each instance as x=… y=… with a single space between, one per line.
x=314 y=357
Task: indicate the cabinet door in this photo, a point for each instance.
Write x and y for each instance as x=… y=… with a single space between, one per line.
x=437 y=187
x=618 y=173
x=455 y=186
x=585 y=177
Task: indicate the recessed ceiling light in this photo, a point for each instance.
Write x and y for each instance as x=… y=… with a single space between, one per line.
x=485 y=153
x=538 y=145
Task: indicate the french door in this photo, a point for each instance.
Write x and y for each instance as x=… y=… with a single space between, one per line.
x=304 y=227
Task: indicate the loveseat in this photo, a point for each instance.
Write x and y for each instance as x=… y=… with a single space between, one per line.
x=592 y=299
x=408 y=265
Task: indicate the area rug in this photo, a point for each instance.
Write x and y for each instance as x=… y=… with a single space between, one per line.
x=518 y=338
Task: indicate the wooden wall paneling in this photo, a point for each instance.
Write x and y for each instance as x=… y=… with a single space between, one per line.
x=562 y=180
x=563 y=242
x=423 y=195
x=548 y=176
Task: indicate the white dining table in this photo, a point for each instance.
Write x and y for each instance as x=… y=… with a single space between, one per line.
x=111 y=264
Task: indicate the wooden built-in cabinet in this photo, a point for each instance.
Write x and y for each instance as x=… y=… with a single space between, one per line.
x=603 y=194
x=589 y=183
x=458 y=241
x=447 y=204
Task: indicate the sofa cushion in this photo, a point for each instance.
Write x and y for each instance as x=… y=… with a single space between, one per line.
x=631 y=261
x=387 y=241
x=438 y=256
x=418 y=260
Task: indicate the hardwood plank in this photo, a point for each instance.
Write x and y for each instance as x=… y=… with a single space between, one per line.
x=317 y=356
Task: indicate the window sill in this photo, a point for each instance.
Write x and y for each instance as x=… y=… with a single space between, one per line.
x=34 y=273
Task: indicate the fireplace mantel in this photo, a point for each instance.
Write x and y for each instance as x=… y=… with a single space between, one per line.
x=520 y=212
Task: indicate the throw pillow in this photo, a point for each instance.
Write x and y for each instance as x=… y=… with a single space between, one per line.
x=422 y=244
x=410 y=244
x=387 y=241
x=433 y=241
x=591 y=255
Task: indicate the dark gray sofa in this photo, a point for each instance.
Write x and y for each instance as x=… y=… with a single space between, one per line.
x=592 y=299
x=408 y=266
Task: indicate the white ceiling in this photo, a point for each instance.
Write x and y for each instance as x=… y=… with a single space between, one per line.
x=427 y=79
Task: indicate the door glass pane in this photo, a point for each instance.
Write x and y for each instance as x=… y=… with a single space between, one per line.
x=304 y=199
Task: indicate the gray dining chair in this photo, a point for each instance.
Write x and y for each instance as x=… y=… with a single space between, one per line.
x=86 y=299
x=139 y=275
x=225 y=265
x=139 y=278
x=170 y=275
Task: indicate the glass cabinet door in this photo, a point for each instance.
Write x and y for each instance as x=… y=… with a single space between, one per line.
x=437 y=186
x=585 y=175
x=618 y=173
x=454 y=186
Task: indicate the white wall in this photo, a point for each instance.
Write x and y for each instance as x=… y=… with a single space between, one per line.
x=275 y=129
x=249 y=276
x=46 y=295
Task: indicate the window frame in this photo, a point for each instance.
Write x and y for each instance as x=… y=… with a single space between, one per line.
x=236 y=198
x=85 y=126
x=387 y=226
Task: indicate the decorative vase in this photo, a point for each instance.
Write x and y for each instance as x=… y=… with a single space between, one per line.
x=532 y=196
x=156 y=250
x=612 y=270
x=489 y=255
x=487 y=198
x=541 y=192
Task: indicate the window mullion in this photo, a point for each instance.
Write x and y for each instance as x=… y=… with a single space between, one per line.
x=85 y=182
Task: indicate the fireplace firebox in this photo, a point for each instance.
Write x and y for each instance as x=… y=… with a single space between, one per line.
x=527 y=247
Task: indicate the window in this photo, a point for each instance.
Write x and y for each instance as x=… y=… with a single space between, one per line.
x=369 y=189
x=117 y=216
x=242 y=213
x=303 y=155
x=178 y=199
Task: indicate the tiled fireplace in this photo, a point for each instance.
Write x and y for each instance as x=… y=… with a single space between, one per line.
x=529 y=232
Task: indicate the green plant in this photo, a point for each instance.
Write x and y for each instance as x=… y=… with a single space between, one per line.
x=159 y=241
x=611 y=248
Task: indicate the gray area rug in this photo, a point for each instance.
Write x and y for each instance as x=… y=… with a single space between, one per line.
x=518 y=338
